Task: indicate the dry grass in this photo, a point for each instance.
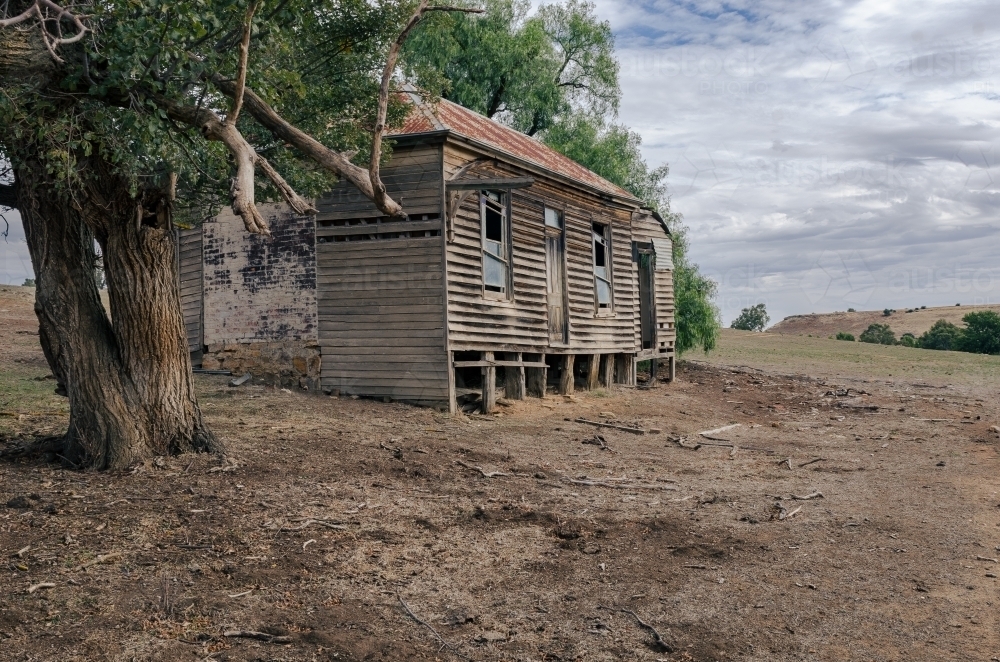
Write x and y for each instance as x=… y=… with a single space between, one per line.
x=839 y=359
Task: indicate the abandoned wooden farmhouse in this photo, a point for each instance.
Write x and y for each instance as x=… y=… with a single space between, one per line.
x=516 y=270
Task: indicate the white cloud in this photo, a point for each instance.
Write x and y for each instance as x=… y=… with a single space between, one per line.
x=807 y=139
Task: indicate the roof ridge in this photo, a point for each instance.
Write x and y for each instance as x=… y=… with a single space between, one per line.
x=470 y=124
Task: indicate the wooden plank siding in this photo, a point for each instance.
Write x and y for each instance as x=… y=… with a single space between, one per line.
x=190 y=267
x=412 y=177
x=476 y=322
x=644 y=229
x=381 y=298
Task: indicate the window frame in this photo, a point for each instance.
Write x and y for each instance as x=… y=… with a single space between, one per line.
x=607 y=238
x=506 y=246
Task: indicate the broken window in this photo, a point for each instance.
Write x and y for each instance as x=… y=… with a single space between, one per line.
x=496 y=242
x=553 y=218
x=602 y=266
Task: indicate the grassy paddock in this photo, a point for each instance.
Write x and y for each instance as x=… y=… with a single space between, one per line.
x=823 y=357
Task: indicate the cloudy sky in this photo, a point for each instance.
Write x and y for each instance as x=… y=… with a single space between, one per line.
x=825 y=155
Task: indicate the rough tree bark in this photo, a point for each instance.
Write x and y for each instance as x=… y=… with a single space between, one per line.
x=128 y=377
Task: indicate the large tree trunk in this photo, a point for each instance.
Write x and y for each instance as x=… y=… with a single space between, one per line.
x=128 y=378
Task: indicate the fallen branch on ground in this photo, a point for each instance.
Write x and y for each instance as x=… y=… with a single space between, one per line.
x=599 y=441
x=259 y=636
x=310 y=522
x=486 y=474
x=708 y=433
x=620 y=486
x=444 y=644
x=599 y=424
x=664 y=646
x=101 y=558
x=35 y=587
x=807 y=497
x=806 y=464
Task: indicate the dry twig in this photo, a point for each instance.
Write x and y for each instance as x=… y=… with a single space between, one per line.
x=599 y=424
x=35 y=587
x=486 y=474
x=807 y=497
x=444 y=644
x=659 y=640
x=259 y=636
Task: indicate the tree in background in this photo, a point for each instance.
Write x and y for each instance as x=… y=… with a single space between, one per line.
x=754 y=318
x=942 y=335
x=525 y=70
x=879 y=334
x=981 y=334
x=841 y=335
x=908 y=340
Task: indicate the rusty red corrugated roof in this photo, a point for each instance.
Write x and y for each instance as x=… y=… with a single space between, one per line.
x=446 y=115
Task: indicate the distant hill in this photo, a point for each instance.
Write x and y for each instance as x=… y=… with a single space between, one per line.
x=829 y=324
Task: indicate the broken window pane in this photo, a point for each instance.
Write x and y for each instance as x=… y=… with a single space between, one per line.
x=602 y=265
x=553 y=218
x=496 y=242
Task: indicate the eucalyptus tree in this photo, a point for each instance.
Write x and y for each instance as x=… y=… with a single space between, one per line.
x=525 y=69
x=121 y=117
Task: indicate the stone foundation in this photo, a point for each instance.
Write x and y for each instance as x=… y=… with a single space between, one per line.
x=286 y=363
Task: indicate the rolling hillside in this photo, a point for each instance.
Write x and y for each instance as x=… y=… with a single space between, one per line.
x=900 y=322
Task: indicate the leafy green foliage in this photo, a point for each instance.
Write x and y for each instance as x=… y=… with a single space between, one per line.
x=845 y=336
x=754 y=318
x=317 y=63
x=942 y=335
x=525 y=70
x=879 y=334
x=981 y=334
x=908 y=340
x=29 y=282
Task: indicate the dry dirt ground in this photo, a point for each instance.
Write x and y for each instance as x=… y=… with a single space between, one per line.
x=916 y=322
x=556 y=557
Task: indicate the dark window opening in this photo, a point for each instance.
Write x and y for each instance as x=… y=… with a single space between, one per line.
x=602 y=266
x=496 y=242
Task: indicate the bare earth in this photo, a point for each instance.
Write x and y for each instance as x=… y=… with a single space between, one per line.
x=896 y=560
x=829 y=324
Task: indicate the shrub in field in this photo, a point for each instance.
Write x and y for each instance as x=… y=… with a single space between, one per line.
x=981 y=334
x=29 y=282
x=887 y=312
x=943 y=335
x=851 y=310
x=754 y=318
x=908 y=340
x=878 y=334
x=845 y=336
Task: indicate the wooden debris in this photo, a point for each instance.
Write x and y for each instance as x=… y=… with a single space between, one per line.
x=708 y=433
x=35 y=587
x=807 y=497
x=600 y=442
x=657 y=638
x=101 y=558
x=259 y=636
x=310 y=522
x=599 y=424
x=241 y=595
x=806 y=464
x=986 y=558
x=21 y=552
x=619 y=485
x=486 y=474
x=240 y=381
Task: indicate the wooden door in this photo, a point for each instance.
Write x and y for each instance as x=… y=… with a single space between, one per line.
x=647 y=309
x=555 y=265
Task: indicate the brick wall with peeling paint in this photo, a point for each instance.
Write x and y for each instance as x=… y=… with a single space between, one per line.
x=260 y=289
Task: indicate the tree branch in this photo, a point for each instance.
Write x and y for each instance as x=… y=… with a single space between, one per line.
x=41 y=9
x=334 y=161
x=242 y=188
x=378 y=188
x=241 y=77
